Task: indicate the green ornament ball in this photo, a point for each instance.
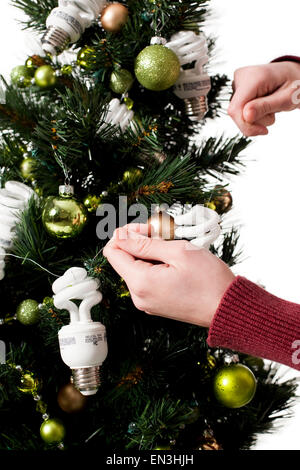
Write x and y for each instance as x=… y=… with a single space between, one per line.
x=28 y=312
x=52 y=431
x=21 y=76
x=27 y=168
x=63 y=216
x=92 y=202
x=157 y=68
x=45 y=76
x=234 y=385
x=132 y=174
x=86 y=57
x=162 y=448
x=121 y=81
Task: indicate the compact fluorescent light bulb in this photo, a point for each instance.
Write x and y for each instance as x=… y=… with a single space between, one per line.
x=67 y=22
x=83 y=343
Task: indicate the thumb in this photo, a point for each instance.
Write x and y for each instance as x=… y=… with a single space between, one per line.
x=261 y=107
x=143 y=247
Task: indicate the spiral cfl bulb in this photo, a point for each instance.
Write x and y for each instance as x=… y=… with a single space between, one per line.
x=13 y=200
x=67 y=22
x=193 y=84
x=118 y=115
x=83 y=344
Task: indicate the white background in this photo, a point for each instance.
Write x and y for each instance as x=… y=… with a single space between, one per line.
x=266 y=196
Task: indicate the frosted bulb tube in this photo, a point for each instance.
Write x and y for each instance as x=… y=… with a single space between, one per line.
x=67 y=22
x=193 y=85
x=83 y=343
x=200 y=225
x=118 y=115
x=13 y=199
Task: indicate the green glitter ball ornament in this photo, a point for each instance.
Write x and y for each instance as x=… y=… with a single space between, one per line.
x=21 y=76
x=234 y=385
x=64 y=216
x=121 y=81
x=157 y=68
x=86 y=57
x=28 y=312
x=45 y=77
x=52 y=431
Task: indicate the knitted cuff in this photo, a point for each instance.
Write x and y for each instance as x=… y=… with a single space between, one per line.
x=287 y=58
x=253 y=321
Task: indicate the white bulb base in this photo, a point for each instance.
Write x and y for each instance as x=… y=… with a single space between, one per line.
x=87 y=380
x=83 y=347
x=55 y=40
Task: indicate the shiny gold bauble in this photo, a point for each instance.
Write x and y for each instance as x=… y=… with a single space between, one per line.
x=234 y=385
x=64 y=216
x=86 y=57
x=157 y=68
x=222 y=200
x=162 y=225
x=52 y=431
x=45 y=77
x=27 y=168
x=113 y=17
x=121 y=81
x=21 y=76
x=70 y=399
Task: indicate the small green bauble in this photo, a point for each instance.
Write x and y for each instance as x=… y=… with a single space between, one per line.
x=52 y=431
x=157 y=67
x=86 y=57
x=132 y=174
x=66 y=69
x=64 y=216
x=21 y=76
x=29 y=384
x=121 y=81
x=45 y=76
x=34 y=61
x=234 y=385
x=92 y=202
x=27 y=168
x=28 y=312
x=162 y=448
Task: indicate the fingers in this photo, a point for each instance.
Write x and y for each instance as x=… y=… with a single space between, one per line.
x=259 y=108
x=124 y=263
x=142 y=247
x=242 y=95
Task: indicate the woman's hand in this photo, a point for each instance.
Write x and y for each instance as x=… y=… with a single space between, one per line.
x=262 y=91
x=187 y=284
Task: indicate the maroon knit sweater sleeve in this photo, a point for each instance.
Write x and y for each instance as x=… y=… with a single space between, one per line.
x=287 y=58
x=252 y=321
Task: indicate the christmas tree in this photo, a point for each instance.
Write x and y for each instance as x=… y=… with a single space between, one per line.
x=115 y=121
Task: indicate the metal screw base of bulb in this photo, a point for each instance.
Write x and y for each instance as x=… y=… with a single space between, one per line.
x=87 y=380
x=196 y=108
x=55 y=40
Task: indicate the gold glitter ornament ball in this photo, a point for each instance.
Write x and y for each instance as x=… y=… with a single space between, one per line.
x=64 y=216
x=113 y=17
x=157 y=68
x=28 y=312
x=52 y=431
x=234 y=385
x=21 y=76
